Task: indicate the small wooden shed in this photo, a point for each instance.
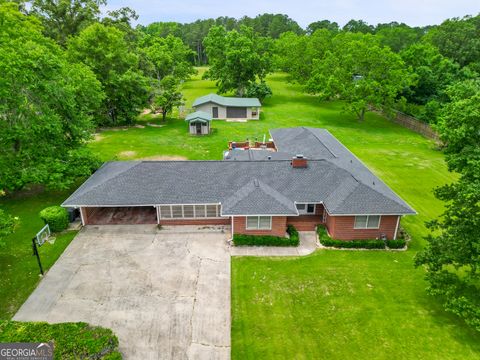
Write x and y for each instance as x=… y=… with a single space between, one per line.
x=199 y=123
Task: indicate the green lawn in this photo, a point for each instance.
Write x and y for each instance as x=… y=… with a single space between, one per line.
x=18 y=267
x=332 y=304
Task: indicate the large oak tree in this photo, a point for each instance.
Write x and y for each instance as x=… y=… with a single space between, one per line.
x=237 y=58
x=360 y=71
x=452 y=257
x=116 y=64
x=46 y=107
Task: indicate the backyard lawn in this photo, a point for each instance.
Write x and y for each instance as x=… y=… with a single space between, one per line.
x=332 y=304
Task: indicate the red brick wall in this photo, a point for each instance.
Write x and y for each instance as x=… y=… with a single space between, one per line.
x=86 y=213
x=279 y=226
x=307 y=222
x=224 y=221
x=341 y=227
x=304 y=222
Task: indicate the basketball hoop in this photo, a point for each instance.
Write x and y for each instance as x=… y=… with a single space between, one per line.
x=43 y=235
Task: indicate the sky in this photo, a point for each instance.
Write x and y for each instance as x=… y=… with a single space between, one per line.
x=411 y=12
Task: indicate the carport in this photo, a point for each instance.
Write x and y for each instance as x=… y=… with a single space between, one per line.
x=124 y=215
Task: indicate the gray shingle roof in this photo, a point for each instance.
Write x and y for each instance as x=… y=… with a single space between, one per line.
x=257 y=198
x=198 y=116
x=200 y=182
x=227 y=101
x=317 y=143
x=240 y=154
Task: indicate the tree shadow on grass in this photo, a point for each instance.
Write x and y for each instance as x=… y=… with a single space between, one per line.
x=449 y=322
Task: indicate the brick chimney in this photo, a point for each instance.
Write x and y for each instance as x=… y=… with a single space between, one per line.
x=299 y=161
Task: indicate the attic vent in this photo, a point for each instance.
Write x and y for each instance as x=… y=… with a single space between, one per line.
x=269 y=157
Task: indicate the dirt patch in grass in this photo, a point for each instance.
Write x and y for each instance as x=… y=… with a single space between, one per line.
x=155 y=125
x=165 y=158
x=98 y=137
x=127 y=153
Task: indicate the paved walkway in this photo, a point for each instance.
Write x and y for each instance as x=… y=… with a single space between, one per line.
x=308 y=244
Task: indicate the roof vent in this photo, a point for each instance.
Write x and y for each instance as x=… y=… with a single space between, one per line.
x=255 y=183
x=299 y=161
x=269 y=157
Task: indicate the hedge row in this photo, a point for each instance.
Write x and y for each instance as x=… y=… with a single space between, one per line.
x=268 y=240
x=396 y=244
x=71 y=340
x=326 y=240
x=56 y=217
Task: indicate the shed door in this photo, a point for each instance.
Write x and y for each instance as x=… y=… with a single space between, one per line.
x=236 y=112
x=215 y=112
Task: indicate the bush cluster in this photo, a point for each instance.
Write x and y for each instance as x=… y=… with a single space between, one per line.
x=56 y=217
x=396 y=244
x=326 y=240
x=293 y=233
x=354 y=244
x=268 y=240
x=71 y=340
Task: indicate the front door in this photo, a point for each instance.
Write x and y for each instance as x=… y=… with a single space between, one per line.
x=215 y=112
x=199 y=128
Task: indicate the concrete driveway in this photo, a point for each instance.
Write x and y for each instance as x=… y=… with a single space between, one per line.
x=166 y=294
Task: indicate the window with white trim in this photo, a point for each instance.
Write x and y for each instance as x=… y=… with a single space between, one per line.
x=259 y=223
x=308 y=209
x=189 y=211
x=367 y=222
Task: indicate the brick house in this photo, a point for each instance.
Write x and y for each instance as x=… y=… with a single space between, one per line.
x=254 y=191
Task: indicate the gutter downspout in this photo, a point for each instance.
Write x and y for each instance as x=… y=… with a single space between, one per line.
x=81 y=216
x=396 y=228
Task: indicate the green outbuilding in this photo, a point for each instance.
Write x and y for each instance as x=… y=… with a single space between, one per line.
x=199 y=123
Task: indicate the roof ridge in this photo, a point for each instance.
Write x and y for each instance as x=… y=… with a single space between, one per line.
x=374 y=190
x=240 y=194
x=396 y=198
x=107 y=178
x=254 y=185
x=275 y=194
x=309 y=129
x=219 y=161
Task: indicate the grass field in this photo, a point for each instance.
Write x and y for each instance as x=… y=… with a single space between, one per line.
x=332 y=304
x=18 y=267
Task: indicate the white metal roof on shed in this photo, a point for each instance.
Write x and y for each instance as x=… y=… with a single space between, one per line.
x=227 y=101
